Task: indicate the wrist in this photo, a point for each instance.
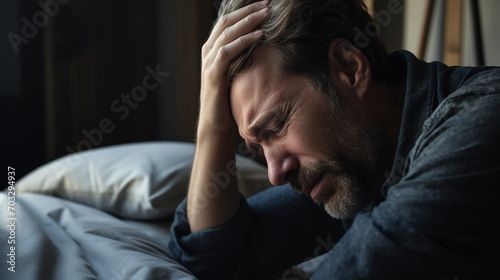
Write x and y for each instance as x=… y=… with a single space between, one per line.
x=210 y=129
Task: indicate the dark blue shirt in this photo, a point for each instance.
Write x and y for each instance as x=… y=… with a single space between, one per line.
x=439 y=219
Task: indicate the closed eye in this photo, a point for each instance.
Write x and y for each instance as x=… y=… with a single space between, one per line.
x=280 y=123
x=283 y=122
x=268 y=127
x=255 y=148
x=271 y=129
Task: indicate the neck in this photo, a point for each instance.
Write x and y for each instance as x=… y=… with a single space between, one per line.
x=386 y=103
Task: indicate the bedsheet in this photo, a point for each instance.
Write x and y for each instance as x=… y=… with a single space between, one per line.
x=45 y=237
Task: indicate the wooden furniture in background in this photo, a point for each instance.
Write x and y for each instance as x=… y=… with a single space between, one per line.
x=452 y=39
x=453 y=32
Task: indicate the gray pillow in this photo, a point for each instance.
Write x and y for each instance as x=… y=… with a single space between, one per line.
x=136 y=181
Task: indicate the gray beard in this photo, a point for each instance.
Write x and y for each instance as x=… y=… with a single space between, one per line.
x=355 y=160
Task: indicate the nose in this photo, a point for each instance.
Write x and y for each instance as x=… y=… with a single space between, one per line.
x=280 y=165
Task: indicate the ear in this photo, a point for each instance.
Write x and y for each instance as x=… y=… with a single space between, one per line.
x=349 y=66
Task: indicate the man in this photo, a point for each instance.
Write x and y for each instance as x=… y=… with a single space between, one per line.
x=332 y=117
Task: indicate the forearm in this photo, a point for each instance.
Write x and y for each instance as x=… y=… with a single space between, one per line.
x=213 y=196
x=211 y=201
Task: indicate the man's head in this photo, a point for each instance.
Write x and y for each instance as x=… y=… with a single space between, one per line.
x=300 y=32
x=297 y=99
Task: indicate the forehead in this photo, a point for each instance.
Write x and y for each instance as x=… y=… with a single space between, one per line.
x=259 y=87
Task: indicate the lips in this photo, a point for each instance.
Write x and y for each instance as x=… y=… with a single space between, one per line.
x=312 y=186
x=315 y=190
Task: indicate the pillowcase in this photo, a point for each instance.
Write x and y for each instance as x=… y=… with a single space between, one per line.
x=135 y=181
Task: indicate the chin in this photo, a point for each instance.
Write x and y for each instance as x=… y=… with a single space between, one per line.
x=342 y=213
x=345 y=202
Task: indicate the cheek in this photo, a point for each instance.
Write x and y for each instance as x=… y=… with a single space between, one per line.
x=312 y=140
x=313 y=131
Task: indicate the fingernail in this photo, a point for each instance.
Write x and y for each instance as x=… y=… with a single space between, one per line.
x=264 y=3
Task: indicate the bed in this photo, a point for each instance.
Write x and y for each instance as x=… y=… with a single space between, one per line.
x=103 y=213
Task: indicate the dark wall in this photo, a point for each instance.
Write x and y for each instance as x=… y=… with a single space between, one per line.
x=93 y=73
x=21 y=91
x=98 y=56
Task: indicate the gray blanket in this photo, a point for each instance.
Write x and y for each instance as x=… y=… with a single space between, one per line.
x=44 y=237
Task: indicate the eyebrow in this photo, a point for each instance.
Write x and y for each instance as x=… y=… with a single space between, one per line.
x=280 y=111
x=260 y=123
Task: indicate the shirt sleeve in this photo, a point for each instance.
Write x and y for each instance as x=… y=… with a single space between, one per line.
x=440 y=221
x=271 y=231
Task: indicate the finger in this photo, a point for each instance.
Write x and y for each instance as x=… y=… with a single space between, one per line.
x=227 y=52
x=234 y=17
x=242 y=27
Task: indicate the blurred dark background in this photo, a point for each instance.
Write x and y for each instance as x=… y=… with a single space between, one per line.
x=81 y=74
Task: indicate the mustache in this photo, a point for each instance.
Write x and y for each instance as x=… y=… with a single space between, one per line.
x=309 y=172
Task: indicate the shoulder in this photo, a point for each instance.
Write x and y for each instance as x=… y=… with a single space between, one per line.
x=451 y=174
x=465 y=123
x=462 y=134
